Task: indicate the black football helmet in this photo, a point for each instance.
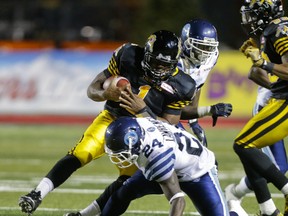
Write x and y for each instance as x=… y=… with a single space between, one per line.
x=123 y=140
x=161 y=54
x=199 y=41
x=257 y=14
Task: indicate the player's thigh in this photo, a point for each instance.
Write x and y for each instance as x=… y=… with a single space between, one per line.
x=91 y=145
x=266 y=127
x=206 y=195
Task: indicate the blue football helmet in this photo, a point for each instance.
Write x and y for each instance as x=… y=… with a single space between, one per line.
x=161 y=54
x=123 y=140
x=257 y=14
x=199 y=41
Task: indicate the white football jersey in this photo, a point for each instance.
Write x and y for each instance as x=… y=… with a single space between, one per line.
x=263 y=96
x=199 y=74
x=166 y=148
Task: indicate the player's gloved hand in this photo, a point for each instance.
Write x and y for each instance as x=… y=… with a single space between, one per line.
x=198 y=131
x=254 y=54
x=248 y=43
x=220 y=110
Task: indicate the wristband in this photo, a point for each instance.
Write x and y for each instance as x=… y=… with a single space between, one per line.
x=146 y=112
x=203 y=111
x=191 y=121
x=177 y=195
x=268 y=66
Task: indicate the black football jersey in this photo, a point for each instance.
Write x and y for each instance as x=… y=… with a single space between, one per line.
x=169 y=97
x=274 y=44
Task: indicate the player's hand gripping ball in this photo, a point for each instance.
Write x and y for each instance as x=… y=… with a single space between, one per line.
x=113 y=87
x=116 y=81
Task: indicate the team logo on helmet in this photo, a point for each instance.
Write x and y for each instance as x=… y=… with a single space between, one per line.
x=131 y=138
x=151 y=40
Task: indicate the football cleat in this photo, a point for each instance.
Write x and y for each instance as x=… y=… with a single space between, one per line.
x=275 y=213
x=30 y=202
x=235 y=206
x=73 y=214
x=230 y=193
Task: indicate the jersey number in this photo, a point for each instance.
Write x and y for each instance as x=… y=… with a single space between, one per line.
x=193 y=147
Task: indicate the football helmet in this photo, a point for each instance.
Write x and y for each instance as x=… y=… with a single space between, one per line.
x=123 y=140
x=161 y=54
x=199 y=41
x=257 y=14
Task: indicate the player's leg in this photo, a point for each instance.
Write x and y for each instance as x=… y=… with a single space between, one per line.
x=135 y=187
x=91 y=146
x=279 y=152
x=267 y=127
x=237 y=191
x=207 y=196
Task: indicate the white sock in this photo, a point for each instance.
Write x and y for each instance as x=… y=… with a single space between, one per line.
x=92 y=210
x=268 y=207
x=45 y=186
x=284 y=190
x=241 y=189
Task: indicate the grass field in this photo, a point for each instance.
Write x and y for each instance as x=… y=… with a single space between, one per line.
x=29 y=151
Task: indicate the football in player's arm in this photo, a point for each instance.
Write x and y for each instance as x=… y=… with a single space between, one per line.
x=157 y=89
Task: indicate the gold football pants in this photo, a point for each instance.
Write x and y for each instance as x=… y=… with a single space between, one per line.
x=91 y=145
x=266 y=127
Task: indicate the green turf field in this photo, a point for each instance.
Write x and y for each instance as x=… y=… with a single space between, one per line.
x=28 y=152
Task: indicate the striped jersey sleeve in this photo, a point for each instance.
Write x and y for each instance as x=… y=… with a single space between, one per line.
x=161 y=166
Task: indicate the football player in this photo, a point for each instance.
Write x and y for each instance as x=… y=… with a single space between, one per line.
x=265 y=19
x=200 y=53
x=277 y=152
x=157 y=89
x=170 y=160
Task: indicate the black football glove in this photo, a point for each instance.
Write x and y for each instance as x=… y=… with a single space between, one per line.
x=198 y=131
x=220 y=110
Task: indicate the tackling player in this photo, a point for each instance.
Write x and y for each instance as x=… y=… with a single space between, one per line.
x=170 y=159
x=265 y=20
x=157 y=89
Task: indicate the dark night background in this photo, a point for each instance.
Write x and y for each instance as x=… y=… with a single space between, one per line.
x=115 y=20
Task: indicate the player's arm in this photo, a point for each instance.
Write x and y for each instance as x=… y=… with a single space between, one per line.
x=217 y=110
x=137 y=106
x=174 y=195
x=96 y=92
x=280 y=70
x=190 y=111
x=260 y=77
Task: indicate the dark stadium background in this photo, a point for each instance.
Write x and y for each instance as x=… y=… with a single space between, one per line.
x=114 y=20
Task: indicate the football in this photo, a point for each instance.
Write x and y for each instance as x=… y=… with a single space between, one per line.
x=120 y=82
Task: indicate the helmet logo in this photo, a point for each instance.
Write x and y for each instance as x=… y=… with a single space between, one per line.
x=131 y=138
x=151 y=40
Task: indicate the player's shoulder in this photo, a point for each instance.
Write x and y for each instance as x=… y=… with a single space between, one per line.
x=127 y=48
x=184 y=84
x=277 y=28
